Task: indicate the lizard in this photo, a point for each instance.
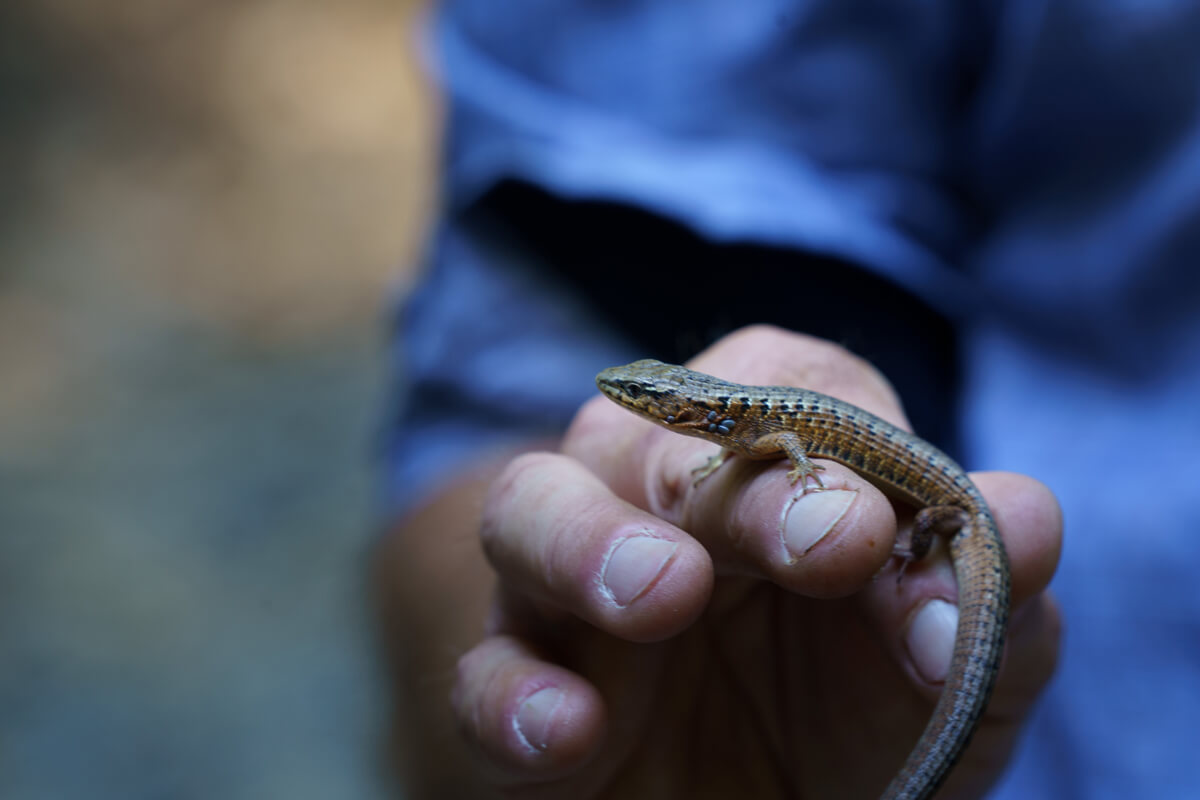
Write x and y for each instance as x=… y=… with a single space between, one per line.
x=772 y=422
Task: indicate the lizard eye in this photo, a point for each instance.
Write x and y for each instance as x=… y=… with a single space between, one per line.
x=633 y=389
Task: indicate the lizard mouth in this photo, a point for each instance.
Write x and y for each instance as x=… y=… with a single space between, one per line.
x=625 y=391
x=608 y=385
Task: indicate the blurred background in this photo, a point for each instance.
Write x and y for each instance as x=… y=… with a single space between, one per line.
x=206 y=211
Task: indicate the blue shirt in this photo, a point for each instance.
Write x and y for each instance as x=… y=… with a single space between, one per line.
x=1029 y=168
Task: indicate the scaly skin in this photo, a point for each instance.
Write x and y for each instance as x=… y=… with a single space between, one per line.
x=763 y=422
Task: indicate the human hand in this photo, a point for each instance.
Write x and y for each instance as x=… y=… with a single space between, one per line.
x=651 y=638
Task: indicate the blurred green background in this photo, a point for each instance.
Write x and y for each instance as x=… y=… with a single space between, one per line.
x=206 y=210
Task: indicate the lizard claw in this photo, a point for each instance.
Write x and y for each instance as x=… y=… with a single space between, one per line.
x=800 y=473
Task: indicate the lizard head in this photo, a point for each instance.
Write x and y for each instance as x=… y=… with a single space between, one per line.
x=647 y=387
x=670 y=395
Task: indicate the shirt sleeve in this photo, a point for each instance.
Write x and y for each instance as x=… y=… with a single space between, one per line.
x=489 y=352
x=830 y=127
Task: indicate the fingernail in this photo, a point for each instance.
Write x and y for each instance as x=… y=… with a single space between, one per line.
x=633 y=566
x=930 y=639
x=810 y=516
x=535 y=717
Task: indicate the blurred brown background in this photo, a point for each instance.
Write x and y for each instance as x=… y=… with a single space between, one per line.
x=207 y=209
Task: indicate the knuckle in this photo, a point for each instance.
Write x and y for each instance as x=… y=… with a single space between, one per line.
x=522 y=475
